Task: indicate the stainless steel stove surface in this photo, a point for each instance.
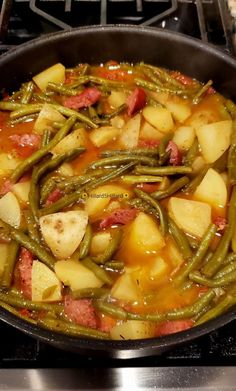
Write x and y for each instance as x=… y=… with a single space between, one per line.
x=207 y=363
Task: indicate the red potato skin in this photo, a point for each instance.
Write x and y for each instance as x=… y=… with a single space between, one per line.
x=173 y=326
x=25 y=272
x=175 y=154
x=136 y=101
x=25 y=144
x=81 y=312
x=87 y=98
x=119 y=216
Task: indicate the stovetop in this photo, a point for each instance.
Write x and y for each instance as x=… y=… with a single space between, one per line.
x=208 y=362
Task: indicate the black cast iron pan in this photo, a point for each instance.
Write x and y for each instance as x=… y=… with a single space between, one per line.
x=98 y=44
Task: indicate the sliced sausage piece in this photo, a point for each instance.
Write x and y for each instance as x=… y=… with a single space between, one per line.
x=173 y=326
x=54 y=196
x=87 y=98
x=221 y=223
x=80 y=311
x=25 y=272
x=6 y=187
x=136 y=101
x=175 y=154
x=119 y=216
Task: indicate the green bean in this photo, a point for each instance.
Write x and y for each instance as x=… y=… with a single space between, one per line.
x=229 y=268
x=173 y=188
x=61 y=89
x=135 y=151
x=214 y=282
x=70 y=329
x=164 y=75
x=92 y=293
x=38 y=155
x=192 y=153
x=46 y=138
x=221 y=163
x=47 y=188
x=151 y=201
x=110 y=249
x=27 y=92
x=167 y=170
x=154 y=87
x=180 y=239
x=86 y=242
x=106 y=82
x=179 y=313
x=171 y=87
x=132 y=179
x=232 y=156
x=10 y=264
x=20 y=237
x=31 y=226
x=79 y=116
x=122 y=159
x=20 y=302
x=198 y=257
x=42 y=97
x=10 y=106
x=202 y=90
x=231 y=107
x=193 y=242
x=228 y=301
x=217 y=259
x=110 y=309
x=193 y=184
x=13 y=311
x=163 y=155
x=115 y=112
x=26 y=110
x=100 y=273
x=114 y=265
x=77 y=195
x=230 y=257
x=25 y=118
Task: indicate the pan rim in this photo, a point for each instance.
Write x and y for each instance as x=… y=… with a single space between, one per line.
x=128 y=348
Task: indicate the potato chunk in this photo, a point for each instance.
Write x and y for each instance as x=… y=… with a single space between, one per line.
x=192 y=217
x=133 y=329
x=214 y=139
x=4 y=248
x=126 y=288
x=63 y=231
x=53 y=74
x=103 y=135
x=159 y=117
x=21 y=190
x=179 y=109
x=76 y=139
x=100 y=197
x=130 y=132
x=148 y=132
x=184 y=137
x=142 y=241
x=46 y=117
x=99 y=242
x=212 y=189
x=75 y=275
x=45 y=284
x=10 y=211
x=7 y=164
x=116 y=99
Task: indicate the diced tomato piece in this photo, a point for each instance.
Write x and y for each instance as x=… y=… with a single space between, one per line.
x=25 y=312
x=6 y=187
x=148 y=187
x=149 y=143
x=54 y=196
x=25 y=144
x=25 y=272
x=210 y=91
x=173 y=326
x=106 y=323
x=81 y=311
x=175 y=154
x=183 y=79
x=119 y=216
x=136 y=101
x=221 y=223
x=87 y=98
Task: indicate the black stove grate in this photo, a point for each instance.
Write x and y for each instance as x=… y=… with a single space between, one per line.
x=209 y=20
